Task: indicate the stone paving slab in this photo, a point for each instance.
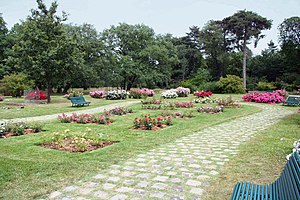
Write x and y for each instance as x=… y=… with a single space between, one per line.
x=177 y=170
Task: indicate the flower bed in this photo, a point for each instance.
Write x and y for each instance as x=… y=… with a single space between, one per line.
x=228 y=102
x=99 y=94
x=184 y=105
x=148 y=123
x=268 y=97
x=169 y=94
x=20 y=128
x=120 y=111
x=184 y=115
x=85 y=118
x=75 y=142
x=152 y=101
x=203 y=94
x=210 y=109
x=1 y=98
x=139 y=93
x=205 y=100
x=116 y=94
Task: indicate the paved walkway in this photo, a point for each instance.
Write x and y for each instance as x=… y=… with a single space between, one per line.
x=177 y=170
x=54 y=116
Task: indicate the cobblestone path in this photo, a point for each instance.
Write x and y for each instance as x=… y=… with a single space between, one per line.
x=177 y=170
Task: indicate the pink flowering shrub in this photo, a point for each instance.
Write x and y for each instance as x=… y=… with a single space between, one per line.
x=139 y=93
x=269 y=97
x=203 y=94
x=84 y=118
x=36 y=95
x=148 y=123
x=210 y=109
x=1 y=98
x=120 y=111
x=98 y=94
x=182 y=92
x=184 y=105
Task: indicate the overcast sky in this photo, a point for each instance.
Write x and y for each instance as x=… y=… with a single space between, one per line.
x=164 y=16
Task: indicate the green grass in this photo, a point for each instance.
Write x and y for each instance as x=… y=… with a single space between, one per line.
x=30 y=171
x=58 y=105
x=260 y=161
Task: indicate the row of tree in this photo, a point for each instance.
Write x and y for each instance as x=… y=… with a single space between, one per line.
x=59 y=55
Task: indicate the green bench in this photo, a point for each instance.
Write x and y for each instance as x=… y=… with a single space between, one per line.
x=292 y=100
x=286 y=187
x=78 y=101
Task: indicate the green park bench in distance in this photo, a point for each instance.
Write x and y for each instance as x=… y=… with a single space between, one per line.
x=292 y=100
x=79 y=101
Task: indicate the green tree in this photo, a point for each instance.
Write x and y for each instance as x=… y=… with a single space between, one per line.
x=289 y=38
x=15 y=84
x=44 y=49
x=243 y=27
x=215 y=46
x=3 y=45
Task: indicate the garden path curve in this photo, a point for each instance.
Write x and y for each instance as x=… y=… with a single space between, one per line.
x=85 y=111
x=177 y=170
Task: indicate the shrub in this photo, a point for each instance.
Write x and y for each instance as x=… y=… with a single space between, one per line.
x=19 y=128
x=210 y=109
x=120 y=111
x=203 y=94
x=85 y=118
x=231 y=84
x=36 y=95
x=148 y=123
x=1 y=98
x=267 y=97
x=184 y=105
x=169 y=94
x=265 y=86
x=116 y=95
x=15 y=84
x=139 y=93
x=99 y=94
x=228 y=102
x=152 y=101
x=205 y=100
x=182 y=92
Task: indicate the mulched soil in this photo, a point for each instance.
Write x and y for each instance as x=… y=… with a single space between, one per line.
x=26 y=131
x=155 y=128
x=70 y=147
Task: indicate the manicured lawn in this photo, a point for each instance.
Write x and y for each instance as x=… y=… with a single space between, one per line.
x=260 y=160
x=30 y=171
x=58 y=105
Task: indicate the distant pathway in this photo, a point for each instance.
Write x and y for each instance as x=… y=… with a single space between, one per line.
x=177 y=170
x=54 y=116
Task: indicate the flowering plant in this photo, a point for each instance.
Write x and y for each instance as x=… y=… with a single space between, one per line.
x=169 y=94
x=139 y=93
x=84 y=118
x=206 y=100
x=153 y=101
x=1 y=98
x=203 y=94
x=184 y=105
x=120 y=111
x=182 y=92
x=36 y=95
x=97 y=94
x=148 y=123
x=268 y=97
x=116 y=94
x=210 y=109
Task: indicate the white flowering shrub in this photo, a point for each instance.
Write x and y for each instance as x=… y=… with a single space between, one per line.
x=169 y=94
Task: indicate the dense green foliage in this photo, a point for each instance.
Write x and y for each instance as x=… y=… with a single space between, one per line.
x=61 y=56
x=231 y=84
x=15 y=84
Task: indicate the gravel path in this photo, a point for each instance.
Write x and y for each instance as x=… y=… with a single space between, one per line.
x=54 y=116
x=177 y=170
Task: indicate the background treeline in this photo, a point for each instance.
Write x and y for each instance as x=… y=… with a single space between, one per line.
x=57 y=55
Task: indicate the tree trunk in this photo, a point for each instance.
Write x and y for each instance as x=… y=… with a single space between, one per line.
x=49 y=90
x=244 y=63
